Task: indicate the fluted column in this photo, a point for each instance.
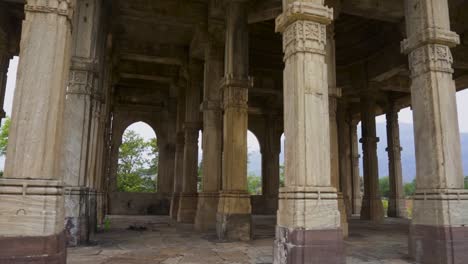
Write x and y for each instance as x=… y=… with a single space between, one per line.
x=212 y=138
x=179 y=152
x=308 y=223
x=356 y=174
x=372 y=208
x=397 y=200
x=31 y=192
x=233 y=216
x=192 y=125
x=439 y=227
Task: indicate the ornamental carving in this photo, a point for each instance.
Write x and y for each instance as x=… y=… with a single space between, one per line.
x=431 y=57
x=59 y=7
x=81 y=82
x=305 y=36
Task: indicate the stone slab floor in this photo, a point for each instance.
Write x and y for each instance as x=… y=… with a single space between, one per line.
x=162 y=242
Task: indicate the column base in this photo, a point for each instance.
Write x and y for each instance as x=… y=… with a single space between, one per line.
x=343 y=215
x=439 y=228
x=308 y=246
x=372 y=209
x=397 y=208
x=174 y=206
x=438 y=244
x=233 y=219
x=80 y=215
x=207 y=208
x=35 y=249
x=187 y=208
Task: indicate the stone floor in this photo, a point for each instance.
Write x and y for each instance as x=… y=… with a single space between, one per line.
x=165 y=243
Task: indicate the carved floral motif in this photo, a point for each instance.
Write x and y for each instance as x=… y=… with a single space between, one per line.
x=431 y=57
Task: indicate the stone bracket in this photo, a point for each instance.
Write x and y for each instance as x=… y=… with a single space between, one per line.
x=430 y=36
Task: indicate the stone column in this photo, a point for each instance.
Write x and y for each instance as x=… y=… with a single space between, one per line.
x=344 y=146
x=212 y=139
x=372 y=208
x=167 y=156
x=188 y=198
x=439 y=228
x=334 y=94
x=397 y=200
x=179 y=152
x=82 y=108
x=270 y=164
x=356 y=174
x=31 y=192
x=308 y=225
x=234 y=209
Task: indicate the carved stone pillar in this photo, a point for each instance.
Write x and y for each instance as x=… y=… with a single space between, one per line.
x=308 y=224
x=81 y=120
x=188 y=198
x=344 y=146
x=356 y=174
x=270 y=164
x=212 y=139
x=372 y=208
x=397 y=200
x=31 y=192
x=167 y=153
x=234 y=209
x=439 y=228
x=334 y=94
x=179 y=153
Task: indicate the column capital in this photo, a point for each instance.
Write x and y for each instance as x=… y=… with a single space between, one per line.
x=303 y=11
x=430 y=58
x=210 y=105
x=235 y=91
x=430 y=35
x=59 y=7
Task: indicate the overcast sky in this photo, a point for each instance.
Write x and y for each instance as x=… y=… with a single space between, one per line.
x=405 y=115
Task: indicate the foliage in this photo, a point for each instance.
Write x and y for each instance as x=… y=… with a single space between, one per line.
x=466 y=182
x=4 y=131
x=254 y=184
x=282 y=177
x=384 y=187
x=138 y=164
x=200 y=176
x=385 y=206
x=410 y=188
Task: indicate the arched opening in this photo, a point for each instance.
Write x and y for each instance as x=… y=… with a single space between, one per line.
x=462 y=101
x=137 y=169
x=7 y=107
x=254 y=165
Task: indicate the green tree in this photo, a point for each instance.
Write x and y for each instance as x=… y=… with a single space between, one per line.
x=4 y=131
x=384 y=187
x=466 y=182
x=282 y=177
x=138 y=164
x=410 y=188
x=254 y=184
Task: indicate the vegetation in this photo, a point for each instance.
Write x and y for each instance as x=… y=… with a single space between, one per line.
x=138 y=164
x=4 y=131
x=254 y=184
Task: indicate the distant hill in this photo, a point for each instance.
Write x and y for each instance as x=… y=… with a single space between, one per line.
x=407 y=155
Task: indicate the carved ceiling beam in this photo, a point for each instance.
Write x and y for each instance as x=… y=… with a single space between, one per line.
x=152 y=59
x=154 y=78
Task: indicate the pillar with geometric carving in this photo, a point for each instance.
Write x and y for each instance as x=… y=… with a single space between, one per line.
x=31 y=192
x=396 y=199
x=188 y=196
x=439 y=227
x=308 y=224
x=233 y=217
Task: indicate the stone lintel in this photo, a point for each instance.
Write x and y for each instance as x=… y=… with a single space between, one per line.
x=298 y=245
x=430 y=36
x=299 y=10
x=34 y=249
